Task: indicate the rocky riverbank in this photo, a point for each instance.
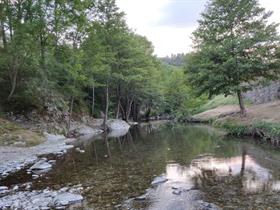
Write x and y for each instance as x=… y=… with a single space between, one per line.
x=36 y=161
x=14 y=158
x=17 y=198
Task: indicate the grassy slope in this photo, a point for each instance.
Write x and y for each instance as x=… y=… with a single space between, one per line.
x=219 y=100
x=262 y=120
x=12 y=134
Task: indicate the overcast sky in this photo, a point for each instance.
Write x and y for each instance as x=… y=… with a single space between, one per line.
x=169 y=23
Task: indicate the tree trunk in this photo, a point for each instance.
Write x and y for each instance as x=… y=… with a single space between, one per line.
x=70 y=114
x=118 y=110
x=13 y=84
x=128 y=110
x=122 y=111
x=119 y=100
x=107 y=107
x=147 y=115
x=3 y=34
x=93 y=102
x=43 y=53
x=241 y=104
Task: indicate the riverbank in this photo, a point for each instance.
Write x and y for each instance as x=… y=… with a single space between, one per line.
x=262 y=121
x=22 y=146
x=27 y=151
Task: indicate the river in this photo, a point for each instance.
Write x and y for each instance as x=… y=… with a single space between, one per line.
x=228 y=172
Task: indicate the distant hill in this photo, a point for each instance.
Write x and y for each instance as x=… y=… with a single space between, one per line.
x=174 y=59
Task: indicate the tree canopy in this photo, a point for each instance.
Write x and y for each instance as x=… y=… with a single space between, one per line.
x=80 y=56
x=235 y=47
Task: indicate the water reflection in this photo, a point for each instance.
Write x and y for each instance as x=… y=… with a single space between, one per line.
x=253 y=176
x=113 y=169
x=180 y=190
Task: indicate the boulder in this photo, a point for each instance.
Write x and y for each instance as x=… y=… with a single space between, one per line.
x=115 y=124
x=65 y=199
x=53 y=137
x=41 y=165
x=84 y=130
x=159 y=180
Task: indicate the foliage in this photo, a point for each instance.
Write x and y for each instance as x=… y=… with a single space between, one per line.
x=179 y=97
x=81 y=56
x=235 y=46
x=232 y=127
x=236 y=128
x=174 y=59
x=271 y=129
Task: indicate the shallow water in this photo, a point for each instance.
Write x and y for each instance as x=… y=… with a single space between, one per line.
x=232 y=173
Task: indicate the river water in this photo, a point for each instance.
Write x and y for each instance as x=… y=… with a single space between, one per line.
x=231 y=173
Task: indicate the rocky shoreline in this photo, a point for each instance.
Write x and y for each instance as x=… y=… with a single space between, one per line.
x=39 y=199
x=34 y=161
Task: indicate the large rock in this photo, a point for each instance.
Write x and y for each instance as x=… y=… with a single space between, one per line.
x=41 y=165
x=159 y=180
x=86 y=130
x=41 y=199
x=53 y=137
x=66 y=198
x=82 y=130
x=115 y=124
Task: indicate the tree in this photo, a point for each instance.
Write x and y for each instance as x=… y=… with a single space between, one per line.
x=235 y=46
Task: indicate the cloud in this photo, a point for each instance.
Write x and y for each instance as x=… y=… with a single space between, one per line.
x=142 y=13
x=182 y=13
x=168 y=24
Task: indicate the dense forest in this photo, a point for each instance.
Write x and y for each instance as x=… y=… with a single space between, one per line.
x=80 y=56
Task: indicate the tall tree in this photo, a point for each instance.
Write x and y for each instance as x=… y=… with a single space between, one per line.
x=235 y=46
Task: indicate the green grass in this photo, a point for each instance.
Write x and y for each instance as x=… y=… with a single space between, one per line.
x=235 y=128
x=220 y=100
x=270 y=129
x=10 y=133
x=232 y=127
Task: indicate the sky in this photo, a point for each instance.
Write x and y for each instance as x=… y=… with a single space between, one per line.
x=168 y=24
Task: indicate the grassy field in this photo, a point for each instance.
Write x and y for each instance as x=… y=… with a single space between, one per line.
x=12 y=134
x=220 y=100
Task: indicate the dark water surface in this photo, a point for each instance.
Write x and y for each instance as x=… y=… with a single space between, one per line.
x=233 y=173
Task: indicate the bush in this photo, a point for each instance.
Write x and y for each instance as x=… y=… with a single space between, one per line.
x=232 y=127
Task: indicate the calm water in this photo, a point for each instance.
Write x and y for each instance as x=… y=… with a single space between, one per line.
x=232 y=173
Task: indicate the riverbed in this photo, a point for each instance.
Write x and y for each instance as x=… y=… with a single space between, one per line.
x=165 y=166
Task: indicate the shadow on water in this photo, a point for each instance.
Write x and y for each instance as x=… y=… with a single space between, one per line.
x=113 y=169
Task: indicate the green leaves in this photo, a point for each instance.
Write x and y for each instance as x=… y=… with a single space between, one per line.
x=235 y=46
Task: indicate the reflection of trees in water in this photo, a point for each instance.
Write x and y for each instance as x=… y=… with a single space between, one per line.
x=224 y=174
x=124 y=142
x=241 y=189
x=244 y=153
